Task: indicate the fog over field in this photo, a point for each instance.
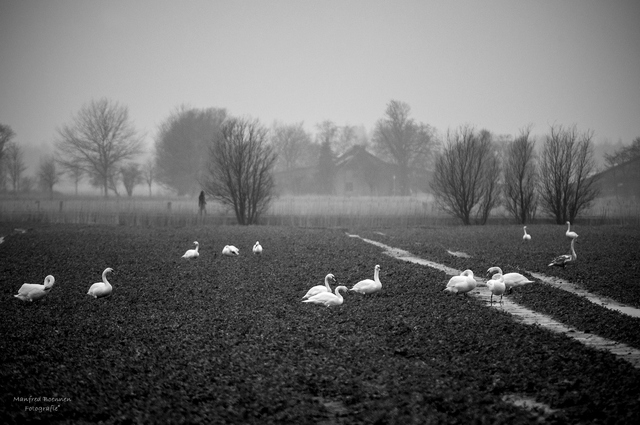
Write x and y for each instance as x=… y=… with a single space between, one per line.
x=499 y=65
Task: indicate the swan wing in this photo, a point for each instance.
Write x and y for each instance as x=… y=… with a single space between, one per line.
x=315 y=290
x=321 y=298
x=366 y=286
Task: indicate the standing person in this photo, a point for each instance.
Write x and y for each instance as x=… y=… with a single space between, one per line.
x=201 y=203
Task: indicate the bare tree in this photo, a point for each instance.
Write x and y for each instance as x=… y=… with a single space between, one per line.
x=14 y=161
x=624 y=154
x=240 y=169
x=48 y=174
x=73 y=170
x=566 y=170
x=99 y=140
x=181 y=147
x=131 y=176
x=465 y=182
x=289 y=142
x=149 y=173
x=406 y=142
x=26 y=184
x=6 y=134
x=521 y=178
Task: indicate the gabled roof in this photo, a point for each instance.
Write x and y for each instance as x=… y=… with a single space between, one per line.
x=356 y=155
x=632 y=162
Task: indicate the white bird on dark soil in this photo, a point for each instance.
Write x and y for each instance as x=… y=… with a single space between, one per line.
x=230 y=250
x=257 y=248
x=33 y=291
x=563 y=260
x=368 y=286
x=315 y=290
x=511 y=280
x=526 y=236
x=497 y=286
x=192 y=253
x=569 y=233
x=327 y=298
x=101 y=289
x=462 y=284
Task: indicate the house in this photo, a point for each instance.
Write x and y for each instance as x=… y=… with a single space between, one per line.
x=357 y=172
x=621 y=181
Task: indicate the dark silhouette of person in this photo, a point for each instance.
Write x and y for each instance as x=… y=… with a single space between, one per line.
x=202 y=203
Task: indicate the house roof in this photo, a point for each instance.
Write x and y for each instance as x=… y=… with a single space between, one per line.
x=358 y=154
x=632 y=162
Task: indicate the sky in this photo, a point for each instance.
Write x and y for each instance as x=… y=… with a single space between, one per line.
x=493 y=64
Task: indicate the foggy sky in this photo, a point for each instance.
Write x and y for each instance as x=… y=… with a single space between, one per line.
x=499 y=65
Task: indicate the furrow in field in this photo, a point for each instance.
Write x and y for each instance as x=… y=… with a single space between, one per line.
x=519 y=312
x=605 y=302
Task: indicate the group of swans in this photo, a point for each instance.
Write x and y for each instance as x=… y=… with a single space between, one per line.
x=498 y=284
x=560 y=260
x=322 y=295
x=33 y=291
x=228 y=250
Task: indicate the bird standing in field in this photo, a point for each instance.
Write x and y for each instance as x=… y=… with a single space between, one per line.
x=327 y=298
x=230 y=250
x=101 y=289
x=569 y=233
x=511 y=280
x=315 y=290
x=257 y=248
x=368 y=286
x=526 y=237
x=497 y=286
x=462 y=284
x=563 y=260
x=33 y=291
x=192 y=253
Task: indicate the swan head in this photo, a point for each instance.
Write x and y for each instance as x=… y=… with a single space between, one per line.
x=467 y=273
x=494 y=269
x=330 y=277
x=196 y=243
x=107 y=270
x=377 y=268
x=49 y=281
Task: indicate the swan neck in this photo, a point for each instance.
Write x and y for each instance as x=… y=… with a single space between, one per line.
x=104 y=277
x=573 y=251
x=326 y=283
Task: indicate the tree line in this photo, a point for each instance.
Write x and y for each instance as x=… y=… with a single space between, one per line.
x=233 y=159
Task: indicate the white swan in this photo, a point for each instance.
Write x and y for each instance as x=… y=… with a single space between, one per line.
x=369 y=286
x=497 y=286
x=101 y=289
x=315 y=290
x=462 y=284
x=33 y=291
x=511 y=280
x=563 y=260
x=327 y=298
x=257 y=248
x=569 y=233
x=526 y=236
x=230 y=250
x=192 y=253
